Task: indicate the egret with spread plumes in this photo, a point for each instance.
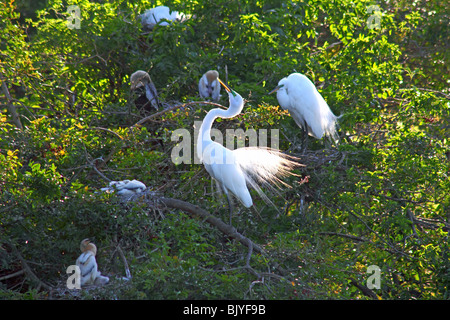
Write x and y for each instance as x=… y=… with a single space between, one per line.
x=297 y=94
x=144 y=91
x=234 y=169
x=209 y=85
x=88 y=265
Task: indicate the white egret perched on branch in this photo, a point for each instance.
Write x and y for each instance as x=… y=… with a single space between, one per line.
x=305 y=104
x=209 y=85
x=144 y=91
x=234 y=169
x=88 y=265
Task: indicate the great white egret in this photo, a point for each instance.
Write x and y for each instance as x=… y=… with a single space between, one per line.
x=88 y=265
x=209 y=85
x=152 y=17
x=305 y=104
x=144 y=91
x=234 y=169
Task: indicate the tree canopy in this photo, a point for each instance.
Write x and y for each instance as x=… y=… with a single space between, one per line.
x=379 y=200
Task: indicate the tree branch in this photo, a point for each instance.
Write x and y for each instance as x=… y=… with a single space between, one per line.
x=219 y=224
x=11 y=107
x=343 y=235
x=365 y=290
x=174 y=108
x=28 y=270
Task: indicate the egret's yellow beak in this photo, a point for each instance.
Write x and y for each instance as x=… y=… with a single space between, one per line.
x=224 y=85
x=227 y=88
x=274 y=90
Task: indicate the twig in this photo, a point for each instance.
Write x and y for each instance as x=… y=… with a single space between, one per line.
x=392 y=248
x=105 y=129
x=173 y=108
x=28 y=270
x=122 y=256
x=413 y=225
x=226 y=74
x=12 y=275
x=447 y=96
x=343 y=235
x=91 y=164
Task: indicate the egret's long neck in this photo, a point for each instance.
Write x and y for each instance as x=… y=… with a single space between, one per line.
x=204 y=135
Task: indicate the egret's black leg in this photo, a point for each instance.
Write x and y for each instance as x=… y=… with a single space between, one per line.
x=305 y=138
x=230 y=206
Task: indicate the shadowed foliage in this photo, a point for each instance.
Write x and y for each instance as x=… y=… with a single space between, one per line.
x=68 y=125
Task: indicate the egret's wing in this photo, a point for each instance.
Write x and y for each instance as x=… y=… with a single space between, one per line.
x=152 y=95
x=148 y=18
x=88 y=266
x=308 y=105
x=221 y=165
x=328 y=119
x=135 y=184
x=216 y=90
x=304 y=107
x=202 y=87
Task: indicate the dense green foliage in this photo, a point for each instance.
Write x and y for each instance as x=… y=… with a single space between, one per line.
x=381 y=197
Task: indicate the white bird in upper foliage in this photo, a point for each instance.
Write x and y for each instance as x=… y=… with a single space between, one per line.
x=152 y=17
x=305 y=104
x=144 y=91
x=88 y=265
x=209 y=85
x=234 y=169
x=125 y=187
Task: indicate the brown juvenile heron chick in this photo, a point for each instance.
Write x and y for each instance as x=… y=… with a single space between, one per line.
x=144 y=91
x=209 y=86
x=88 y=265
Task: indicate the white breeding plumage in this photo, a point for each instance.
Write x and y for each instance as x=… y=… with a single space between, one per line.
x=233 y=169
x=209 y=85
x=88 y=265
x=152 y=17
x=299 y=96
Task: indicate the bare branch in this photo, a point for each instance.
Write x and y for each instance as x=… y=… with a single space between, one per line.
x=174 y=108
x=28 y=270
x=343 y=235
x=12 y=275
x=365 y=290
x=219 y=224
x=11 y=107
